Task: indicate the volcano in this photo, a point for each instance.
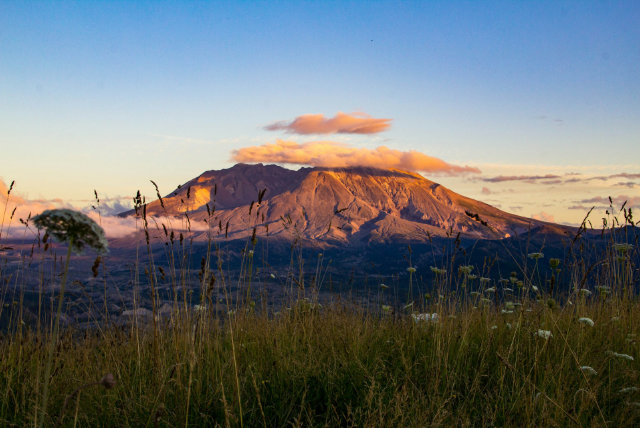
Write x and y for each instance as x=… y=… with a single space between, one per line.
x=337 y=206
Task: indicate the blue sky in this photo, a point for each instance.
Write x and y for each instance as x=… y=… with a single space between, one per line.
x=108 y=95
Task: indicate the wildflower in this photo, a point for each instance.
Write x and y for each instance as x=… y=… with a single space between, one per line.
x=200 y=308
x=494 y=327
x=272 y=276
x=490 y=290
x=507 y=289
x=73 y=227
x=465 y=269
x=520 y=283
x=587 y=321
x=509 y=305
x=425 y=317
x=585 y=292
x=513 y=279
x=250 y=253
x=545 y=334
x=535 y=256
x=502 y=281
x=384 y=286
x=588 y=370
x=603 y=289
x=475 y=294
x=534 y=288
x=485 y=301
x=386 y=308
x=629 y=389
x=411 y=269
x=472 y=277
x=622 y=248
x=621 y=356
x=506 y=311
x=438 y=271
x=554 y=263
x=484 y=280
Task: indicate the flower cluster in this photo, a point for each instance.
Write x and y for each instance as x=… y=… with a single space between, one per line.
x=74 y=228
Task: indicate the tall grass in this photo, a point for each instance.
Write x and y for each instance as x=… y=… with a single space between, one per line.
x=513 y=352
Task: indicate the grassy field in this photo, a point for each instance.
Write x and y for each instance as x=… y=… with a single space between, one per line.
x=531 y=356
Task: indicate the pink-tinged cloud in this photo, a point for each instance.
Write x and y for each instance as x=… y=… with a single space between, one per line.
x=338 y=155
x=632 y=201
x=114 y=227
x=544 y=216
x=342 y=123
x=527 y=178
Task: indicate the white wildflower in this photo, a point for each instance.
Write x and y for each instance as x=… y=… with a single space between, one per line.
x=588 y=370
x=545 y=334
x=484 y=280
x=465 y=269
x=74 y=228
x=621 y=356
x=438 y=271
x=622 y=248
x=629 y=389
x=411 y=269
x=587 y=321
x=535 y=256
x=490 y=290
x=425 y=317
x=384 y=286
x=494 y=327
x=585 y=292
x=506 y=311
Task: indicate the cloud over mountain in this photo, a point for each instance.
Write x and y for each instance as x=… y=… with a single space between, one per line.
x=333 y=154
x=342 y=123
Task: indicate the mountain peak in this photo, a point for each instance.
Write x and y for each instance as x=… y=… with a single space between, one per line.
x=344 y=204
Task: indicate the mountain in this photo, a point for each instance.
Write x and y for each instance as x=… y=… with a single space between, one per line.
x=338 y=206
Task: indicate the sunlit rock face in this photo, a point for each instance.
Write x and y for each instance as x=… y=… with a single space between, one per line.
x=337 y=206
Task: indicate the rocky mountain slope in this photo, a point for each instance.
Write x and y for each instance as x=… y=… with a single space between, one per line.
x=333 y=206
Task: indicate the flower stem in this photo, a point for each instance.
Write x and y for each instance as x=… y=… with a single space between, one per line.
x=54 y=339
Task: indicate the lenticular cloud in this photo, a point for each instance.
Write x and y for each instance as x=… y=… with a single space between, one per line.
x=333 y=154
x=342 y=123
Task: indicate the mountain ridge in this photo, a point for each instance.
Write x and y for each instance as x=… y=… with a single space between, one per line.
x=335 y=206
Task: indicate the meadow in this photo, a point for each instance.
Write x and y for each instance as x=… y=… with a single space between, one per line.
x=553 y=344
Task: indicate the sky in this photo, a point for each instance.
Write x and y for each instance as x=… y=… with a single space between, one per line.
x=533 y=107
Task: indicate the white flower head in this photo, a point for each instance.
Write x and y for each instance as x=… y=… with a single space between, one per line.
x=588 y=370
x=622 y=248
x=438 y=271
x=585 y=292
x=545 y=334
x=622 y=356
x=425 y=317
x=586 y=321
x=73 y=227
x=411 y=269
x=535 y=256
x=629 y=389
